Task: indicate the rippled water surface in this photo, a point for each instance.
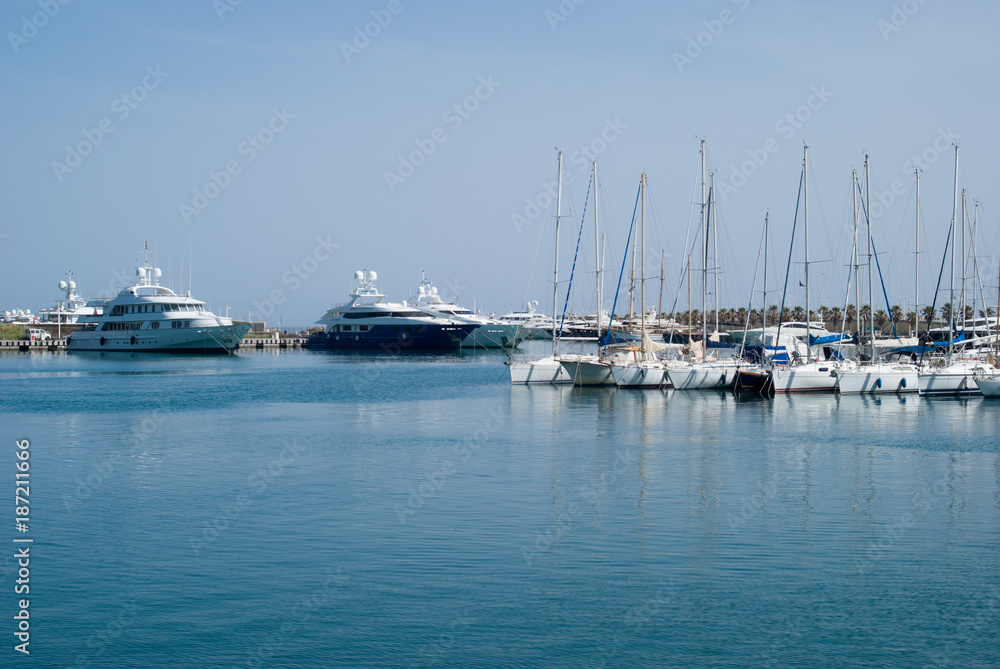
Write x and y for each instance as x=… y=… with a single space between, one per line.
x=303 y=509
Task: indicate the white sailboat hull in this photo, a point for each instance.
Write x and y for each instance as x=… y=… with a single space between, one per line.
x=877 y=379
x=589 y=371
x=989 y=387
x=808 y=378
x=640 y=376
x=703 y=377
x=544 y=371
x=955 y=379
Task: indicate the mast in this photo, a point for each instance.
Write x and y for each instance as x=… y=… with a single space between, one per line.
x=715 y=250
x=871 y=299
x=704 y=286
x=597 y=254
x=951 y=290
x=642 y=260
x=854 y=252
x=555 y=268
x=916 y=290
x=704 y=240
x=659 y=308
x=763 y=309
x=805 y=204
x=961 y=313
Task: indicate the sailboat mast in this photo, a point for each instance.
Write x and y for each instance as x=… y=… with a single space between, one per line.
x=871 y=300
x=951 y=290
x=916 y=288
x=704 y=240
x=715 y=250
x=659 y=308
x=854 y=254
x=597 y=254
x=642 y=262
x=805 y=204
x=961 y=313
x=763 y=307
x=555 y=265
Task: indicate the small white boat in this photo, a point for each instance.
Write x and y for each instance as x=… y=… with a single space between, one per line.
x=989 y=386
x=642 y=374
x=878 y=378
x=958 y=378
x=544 y=370
x=809 y=377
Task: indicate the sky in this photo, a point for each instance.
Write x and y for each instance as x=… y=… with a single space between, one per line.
x=266 y=151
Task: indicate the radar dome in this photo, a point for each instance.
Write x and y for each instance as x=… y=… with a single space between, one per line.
x=359 y=276
x=72 y=285
x=157 y=273
x=372 y=276
x=421 y=290
x=62 y=285
x=140 y=272
x=434 y=290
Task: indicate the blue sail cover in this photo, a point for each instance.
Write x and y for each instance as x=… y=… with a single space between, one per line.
x=829 y=339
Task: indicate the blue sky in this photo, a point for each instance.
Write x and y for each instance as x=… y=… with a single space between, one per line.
x=257 y=142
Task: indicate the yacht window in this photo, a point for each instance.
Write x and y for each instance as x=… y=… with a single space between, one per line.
x=155 y=325
x=363 y=328
x=347 y=328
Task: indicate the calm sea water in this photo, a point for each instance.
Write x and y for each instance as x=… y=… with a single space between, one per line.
x=306 y=509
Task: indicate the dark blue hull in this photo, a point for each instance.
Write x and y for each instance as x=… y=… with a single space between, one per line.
x=395 y=339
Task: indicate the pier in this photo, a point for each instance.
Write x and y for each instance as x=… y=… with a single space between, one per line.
x=42 y=345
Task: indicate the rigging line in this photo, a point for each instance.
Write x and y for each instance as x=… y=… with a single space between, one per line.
x=576 y=253
x=621 y=274
x=788 y=267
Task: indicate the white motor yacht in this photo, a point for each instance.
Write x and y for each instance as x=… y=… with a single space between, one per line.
x=148 y=317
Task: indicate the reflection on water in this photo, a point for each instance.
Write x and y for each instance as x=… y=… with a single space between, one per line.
x=563 y=526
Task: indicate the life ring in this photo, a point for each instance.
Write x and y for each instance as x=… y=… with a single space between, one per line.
x=132 y=341
x=103 y=340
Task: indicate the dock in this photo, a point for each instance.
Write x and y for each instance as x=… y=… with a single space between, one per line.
x=42 y=345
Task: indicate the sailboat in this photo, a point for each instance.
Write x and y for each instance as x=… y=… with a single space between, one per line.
x=647 y=371
x=877 y=376
x=546 y=370
x=953 y=375
x=699 y=372
x=591 y=369
x=811 y=375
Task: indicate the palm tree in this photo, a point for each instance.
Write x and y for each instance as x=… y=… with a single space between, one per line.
x=897 y=313
x=773 y=312
x=881 y=318
x=946 y=312
x=798 y=314
x=835 y=315
x=866 y=314
x=852 y=314
x=927 y=314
